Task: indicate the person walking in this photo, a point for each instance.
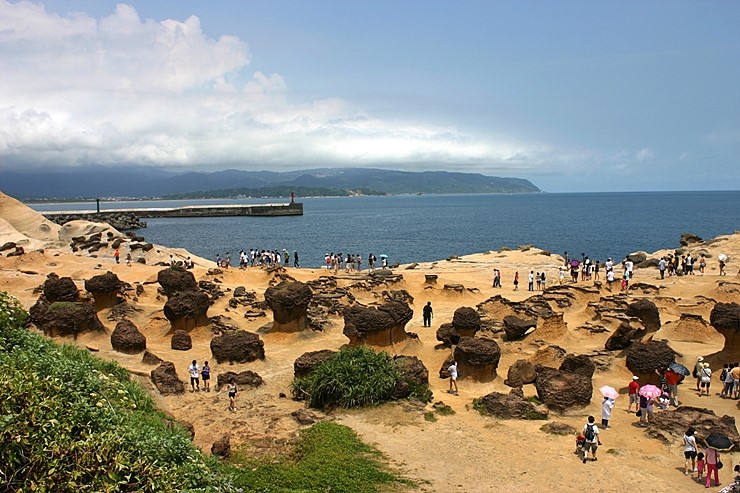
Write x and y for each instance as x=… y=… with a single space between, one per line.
x=711 y=458
x=193 y=369
x=516 y=281
x=452 y=369
x=697 y=371
x=232 y=395
x=427 y=314
x=689 y=451
x=117 y=256
x=205 y=374
x=672 y=378
x=706 y=379
x=592 y=441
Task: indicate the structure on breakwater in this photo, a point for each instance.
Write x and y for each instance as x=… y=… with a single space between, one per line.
x=131 y=218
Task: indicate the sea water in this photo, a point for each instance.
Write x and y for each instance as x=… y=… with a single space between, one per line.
x=419 y=228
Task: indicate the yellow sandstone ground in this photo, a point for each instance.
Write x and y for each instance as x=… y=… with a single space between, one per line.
x=463 y=452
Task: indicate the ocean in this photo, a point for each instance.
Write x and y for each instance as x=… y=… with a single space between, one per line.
x=420 y=228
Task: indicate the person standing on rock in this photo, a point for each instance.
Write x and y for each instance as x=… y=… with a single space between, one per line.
x=194 y=371
x=592 y=442
x=205 y=373
x=452 y=369
x=232 y=395
x=427 y=314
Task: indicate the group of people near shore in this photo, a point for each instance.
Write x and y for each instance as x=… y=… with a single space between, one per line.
x=197 y=373
x=352 y=262
x=259 y=258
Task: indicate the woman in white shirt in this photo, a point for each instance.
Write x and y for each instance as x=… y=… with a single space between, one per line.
x=689 y=451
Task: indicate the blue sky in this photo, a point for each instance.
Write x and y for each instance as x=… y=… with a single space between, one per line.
x=575 y=96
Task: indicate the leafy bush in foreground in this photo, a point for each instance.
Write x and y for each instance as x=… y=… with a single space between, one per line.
x=72 y=422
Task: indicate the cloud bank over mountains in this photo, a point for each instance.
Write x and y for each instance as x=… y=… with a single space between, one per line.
x=120 y=89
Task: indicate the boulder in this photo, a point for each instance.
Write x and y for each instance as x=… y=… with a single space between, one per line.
x=242 y=379
x=644 y=358
x=516 y=327
x=725 y=317
x=520 y=373
x=647 y=312
x=64 y=318
x=688 y=239
x=637 y=257
x=381 y=326
x=477 y=358
x=448 y=335
x=181 y=341
x=289 y=304
x=60 y=289
x=466 y=321
x=621 y=338
x=187 y=310
x=306 y=362
x=670 y=426
x=176 y=280
x=222 y=447
x=105 y=289
x=413 y=374
x=562 y=391
x=151 y=359
x=510 y=406
x=165 y=378
x=126 y=338
x=305 y=417
x=238 y=347
x=580 y=364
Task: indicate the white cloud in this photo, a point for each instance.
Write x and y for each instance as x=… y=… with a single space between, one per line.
x=120 y=89
x=644 y=154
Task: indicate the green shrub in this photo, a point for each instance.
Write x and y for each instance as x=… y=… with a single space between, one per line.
x=430 y=416
x=354 y=377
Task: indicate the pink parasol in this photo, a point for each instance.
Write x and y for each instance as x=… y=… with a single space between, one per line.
x=650 y=391
x=610 y=392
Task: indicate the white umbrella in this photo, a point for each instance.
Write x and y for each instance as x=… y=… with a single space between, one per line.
x=723 y=258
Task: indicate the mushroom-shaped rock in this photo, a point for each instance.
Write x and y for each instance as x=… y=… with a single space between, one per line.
x=105 y=289
x=621 y=338
x=245 y=378
x=510 y=406
x=725 y=317
x=516 y=327
x=238 y=347
x=65 y=318
x=477 y=358
x=165 y=378
x=222 y=447
x=671 y=425
x=561 y=390
x=580 y=364
x=448 y=335
x=306 y=362
x=644 y=358
x=187 y=310
x=176 y=280
x=466 y=321
x=520 y=373
x=289 y=304
x=126 y=338
x=647 y=312
x=60 y=289
x=181 y=341
x=413 y=374
x=381 y=326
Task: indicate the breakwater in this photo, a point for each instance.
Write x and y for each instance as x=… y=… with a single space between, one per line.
x=132 y=218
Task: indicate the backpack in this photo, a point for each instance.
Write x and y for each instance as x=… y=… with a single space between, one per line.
x=590 y=434
x=723 y=375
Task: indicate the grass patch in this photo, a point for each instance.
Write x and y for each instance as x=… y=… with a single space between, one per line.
x=328 y=457
x=430 y=416
x=444 y=411
x=534 y=416
x=534 y=399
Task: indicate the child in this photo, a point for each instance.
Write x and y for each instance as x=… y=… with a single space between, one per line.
x=205 y=373
x=663 y=401
x=232 y=394
x=453 y=377
x=700 y=465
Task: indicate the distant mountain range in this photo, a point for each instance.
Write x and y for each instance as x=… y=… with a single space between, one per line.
x=139 y=182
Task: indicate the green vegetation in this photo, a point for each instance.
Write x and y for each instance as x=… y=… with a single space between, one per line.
x=445 y=410
x=70 y=422
x=354 y=377
x=329 y=457
x=430 y=416
x=276 y=191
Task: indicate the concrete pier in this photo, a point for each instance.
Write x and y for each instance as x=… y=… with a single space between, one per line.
x=264 y=210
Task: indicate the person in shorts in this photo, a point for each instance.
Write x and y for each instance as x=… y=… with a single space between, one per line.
x=194 y=371
x=452 y=369
x=689 y=451
x=205 y=374
x=706 y=379
x=633 y=388
x=232 y=395
x=592 y=441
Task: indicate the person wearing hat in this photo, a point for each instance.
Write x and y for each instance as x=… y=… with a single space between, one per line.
x=633 y=388
x=706 y=378
x=697 y=371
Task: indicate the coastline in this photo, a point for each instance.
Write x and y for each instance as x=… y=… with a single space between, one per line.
x=418 y=447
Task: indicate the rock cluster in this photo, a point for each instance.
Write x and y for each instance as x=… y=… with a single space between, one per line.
x=245 y=378
x=510 y=406
x=381 y=326
x=413 y=374
x=466 y=322
x=119 y=220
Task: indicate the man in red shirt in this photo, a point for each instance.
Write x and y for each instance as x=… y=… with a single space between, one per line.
x=633 y=387
x=671 y=379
